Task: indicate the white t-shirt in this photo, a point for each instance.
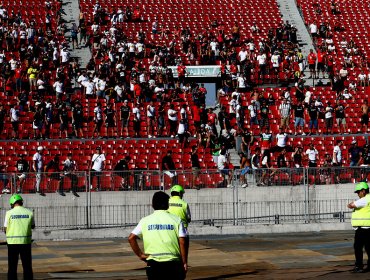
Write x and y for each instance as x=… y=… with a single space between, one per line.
x=136 y=112
x=181 y=129
x=39 y=161
x=98 y=161
x=241 y=82
x=360 y=203
x=313 y=28
x=261 y=59
x=221 y=162
x=338 y=153
x=98 y=113
x=252 y=111
x=312 y=154
x=328 y=112
x=281 y=139
x=172 y=115
x=275 y=60
x=243 y=55
x=58 y=87
x=307 y=97
x=14 y=115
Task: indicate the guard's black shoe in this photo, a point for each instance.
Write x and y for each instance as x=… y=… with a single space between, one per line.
x=358 y=269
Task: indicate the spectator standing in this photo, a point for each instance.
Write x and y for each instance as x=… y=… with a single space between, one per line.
x=299 y=117
x=121 y=169
x=70 y=169
x=55 y=173
x=137 y=119
x=172 y=118
x=14 y=119
x=355 y=154
x=38 y=167
x=110 y=120
x=23 y=168
x=18 y=226
x=98 y=120
x=284 y=111
x=96 y=168
x=365 y=115
x=224 y=167
x=4 y=177
x=337 y=159
x=195 y=166
x=169 y=168
x=151 y=119
x=64 y=121
x=313 y=112
x=125 y=118
x=311 y=59
x=329 y=118
x=78 y=120
x=341 y=117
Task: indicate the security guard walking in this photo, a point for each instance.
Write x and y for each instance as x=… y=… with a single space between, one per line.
x=361 y=223
x=163 y=236
x=180 y=208
x=18 y=226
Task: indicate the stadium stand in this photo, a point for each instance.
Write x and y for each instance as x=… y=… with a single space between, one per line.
x=46 y=96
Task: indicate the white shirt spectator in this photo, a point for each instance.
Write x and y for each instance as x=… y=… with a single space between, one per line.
x=65 y=55
x=337 y=154
x=172 y=115
x=136 y=112
x=312 y=154
x=58 y=86
x=14 y=115
x=98 y=112
x=38 y=159
x=261 y=59
x=221 y=162
x=281 y=139
x=313 y=28
x=98 y=162
x=307 y=97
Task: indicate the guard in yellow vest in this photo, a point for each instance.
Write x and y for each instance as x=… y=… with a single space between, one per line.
x=18 y=227
x=163 y=235
x=178 y=206
x=361 y=223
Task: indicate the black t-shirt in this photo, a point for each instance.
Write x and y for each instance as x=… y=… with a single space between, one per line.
x=264 y=112
x=339 y=112
x=2 y=116
x=169 y=161
x=195 y=161
x=77 y=114
x=22 y=165
x=313 y=112
x=122 y=165
x=299 y=111
x=125 y=111
x=110 y=114
x=64 y=116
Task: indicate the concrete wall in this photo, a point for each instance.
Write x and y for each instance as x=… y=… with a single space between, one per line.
x=113 y=214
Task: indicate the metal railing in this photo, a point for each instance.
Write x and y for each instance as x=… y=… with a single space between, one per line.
x=231 y=206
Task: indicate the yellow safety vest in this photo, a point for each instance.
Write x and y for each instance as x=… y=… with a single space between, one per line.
x=18 y=230
x=160 y=232
x=361 y=216
x=178 y=207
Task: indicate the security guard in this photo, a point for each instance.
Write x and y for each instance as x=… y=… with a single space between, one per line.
x=178 y=206
x=18 y=227
x=361 y=223
x=163 y=235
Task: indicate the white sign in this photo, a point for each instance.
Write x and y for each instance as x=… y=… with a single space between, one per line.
x=199 y=71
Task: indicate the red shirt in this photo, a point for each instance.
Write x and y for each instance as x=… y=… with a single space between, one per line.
x=311 y=58
x=18 y=73
x=320 y=57
x=212 y=118
x=181 y=70
x=196 y=115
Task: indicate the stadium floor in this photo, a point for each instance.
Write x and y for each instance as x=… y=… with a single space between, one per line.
x=319 y=255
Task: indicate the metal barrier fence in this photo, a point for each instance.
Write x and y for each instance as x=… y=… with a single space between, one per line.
x=126 y=207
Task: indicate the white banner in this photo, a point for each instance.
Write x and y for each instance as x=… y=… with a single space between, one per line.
x=199 y=71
